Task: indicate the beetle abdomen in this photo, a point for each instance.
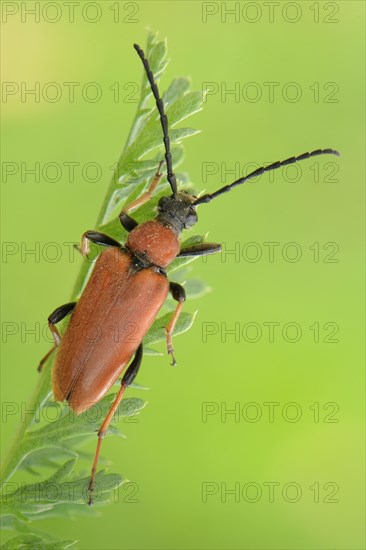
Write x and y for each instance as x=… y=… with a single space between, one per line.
x=115 y=311
x=156 y=241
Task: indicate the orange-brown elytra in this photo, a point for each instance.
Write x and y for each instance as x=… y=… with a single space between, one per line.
x=126 y=290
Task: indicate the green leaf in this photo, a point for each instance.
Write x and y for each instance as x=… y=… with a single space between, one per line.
x=177 y=89
x=157 y=331
x=184 y=107
x=71 y=425
x=44 y=457
x=182 y=133
x=30 y=500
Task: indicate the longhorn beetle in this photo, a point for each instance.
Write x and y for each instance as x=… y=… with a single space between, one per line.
x=129 y=282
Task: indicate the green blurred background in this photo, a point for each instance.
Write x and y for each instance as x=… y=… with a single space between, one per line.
x=171 y=453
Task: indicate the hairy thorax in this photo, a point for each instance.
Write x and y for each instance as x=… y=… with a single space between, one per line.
x=157 y=242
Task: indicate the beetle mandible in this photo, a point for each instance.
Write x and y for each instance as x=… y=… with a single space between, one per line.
x=129 y=282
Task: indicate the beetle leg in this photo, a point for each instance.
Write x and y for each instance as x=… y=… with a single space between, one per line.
x=43 y=361
x=55 y=317
x=128 y=222
x=179 y=294
x=202 y=249
x=97 y=238
x=127 y=379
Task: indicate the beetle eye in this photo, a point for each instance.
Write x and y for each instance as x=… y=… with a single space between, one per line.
x=163 y=201
x=191 y=218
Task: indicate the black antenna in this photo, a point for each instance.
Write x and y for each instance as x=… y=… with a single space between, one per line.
x=163 y=119
x=208 y=197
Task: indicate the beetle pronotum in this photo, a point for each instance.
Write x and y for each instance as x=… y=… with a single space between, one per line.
x=129 y=281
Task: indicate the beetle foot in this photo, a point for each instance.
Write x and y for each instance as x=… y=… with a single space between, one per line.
x=171 y=352
x=85 y=248
x=90 y=491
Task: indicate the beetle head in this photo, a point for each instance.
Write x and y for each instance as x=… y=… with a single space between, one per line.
x=177 y=211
